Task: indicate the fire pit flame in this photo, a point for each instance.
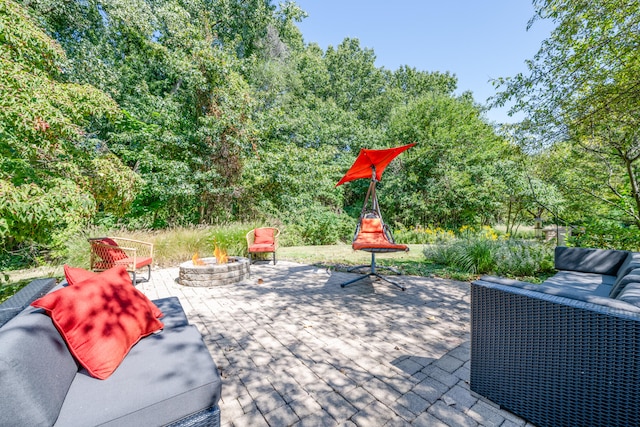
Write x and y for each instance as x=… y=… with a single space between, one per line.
x=221 y=255
x=196 y=260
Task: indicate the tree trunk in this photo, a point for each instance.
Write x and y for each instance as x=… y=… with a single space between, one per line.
x=634 y=190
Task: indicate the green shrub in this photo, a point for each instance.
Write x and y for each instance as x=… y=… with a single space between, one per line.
x=318 y=225
x=482 y=253
x=470 y=255
x=421 y=235
x=523 y=258
x=605 y=235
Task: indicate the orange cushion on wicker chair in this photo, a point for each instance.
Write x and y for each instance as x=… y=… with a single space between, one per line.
x=263 y=236
x=111 y=254
x=262 y=247
x=101 y=318
x=371 y=236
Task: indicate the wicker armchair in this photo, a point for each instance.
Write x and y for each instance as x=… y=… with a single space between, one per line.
x=107 y=252
x=263 y=240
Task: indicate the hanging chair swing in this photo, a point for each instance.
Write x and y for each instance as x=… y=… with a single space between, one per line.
x=372 y=234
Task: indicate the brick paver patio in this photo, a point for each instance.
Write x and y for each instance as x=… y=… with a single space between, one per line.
x=295 y=349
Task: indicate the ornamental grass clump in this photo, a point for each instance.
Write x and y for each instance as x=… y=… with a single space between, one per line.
x=470 y=254
x=483 y=252
x=523 y=258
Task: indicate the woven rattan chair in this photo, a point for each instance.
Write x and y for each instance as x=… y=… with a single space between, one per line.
x=107 y=252
x=263 y=240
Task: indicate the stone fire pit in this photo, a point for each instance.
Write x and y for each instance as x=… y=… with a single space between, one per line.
x=212 y=273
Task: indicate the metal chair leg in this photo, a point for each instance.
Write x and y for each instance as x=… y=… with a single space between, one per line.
x=372 y=272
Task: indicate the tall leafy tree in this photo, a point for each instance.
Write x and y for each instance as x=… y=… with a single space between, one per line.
x=173 y=67
x=53 y=170
x=354 y=78
x=443 y=180
x=582 y=87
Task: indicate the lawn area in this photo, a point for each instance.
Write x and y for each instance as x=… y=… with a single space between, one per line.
x=343 y=254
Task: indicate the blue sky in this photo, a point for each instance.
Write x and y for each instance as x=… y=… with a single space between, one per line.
x=473 y=39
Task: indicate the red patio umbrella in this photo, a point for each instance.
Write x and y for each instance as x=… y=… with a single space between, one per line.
x=368 y=159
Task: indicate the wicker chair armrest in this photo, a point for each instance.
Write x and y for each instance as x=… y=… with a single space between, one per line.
x=387 y=233
x=129 y=251
x=276 y=234
x=251 y=238
x=141 y=248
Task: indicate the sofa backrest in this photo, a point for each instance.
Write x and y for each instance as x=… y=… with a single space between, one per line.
x=587 y=260
x=36 y=370
x=627 y=273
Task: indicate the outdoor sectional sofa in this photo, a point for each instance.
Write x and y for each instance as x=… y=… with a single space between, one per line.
x=166 y=378
x=565 y=352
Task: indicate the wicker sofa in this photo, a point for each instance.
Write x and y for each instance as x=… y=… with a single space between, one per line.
x=167 y=378
x=565 y=352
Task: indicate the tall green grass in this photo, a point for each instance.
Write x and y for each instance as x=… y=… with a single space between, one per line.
x=482 y=253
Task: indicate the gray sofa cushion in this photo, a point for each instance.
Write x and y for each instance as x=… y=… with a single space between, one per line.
x=173 y=314
x=594 y=293
x=623 y=280
x=36 y=370
x=587 y=281
x=165 y=376
x=573 y=282
x=631 y=294
x=587 y=260
x=631 y=262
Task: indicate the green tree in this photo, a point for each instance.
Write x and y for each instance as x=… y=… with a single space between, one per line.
x=174 y=68
x=353 y=76
x=53 y=170
x=444 y=180
x=582 y=87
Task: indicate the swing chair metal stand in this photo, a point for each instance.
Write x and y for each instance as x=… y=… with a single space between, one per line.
x=373 y=273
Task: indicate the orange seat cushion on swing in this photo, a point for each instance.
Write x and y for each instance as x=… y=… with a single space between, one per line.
x=371 y=236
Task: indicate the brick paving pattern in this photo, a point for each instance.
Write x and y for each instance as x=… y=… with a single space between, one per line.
x=295 y=349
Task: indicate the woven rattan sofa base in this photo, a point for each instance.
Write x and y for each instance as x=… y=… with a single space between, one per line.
x=205 y=418
x=555 y=361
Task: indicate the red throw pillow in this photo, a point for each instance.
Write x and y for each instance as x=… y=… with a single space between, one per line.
x=263 y=235
x=100 y=319
x=75 y=275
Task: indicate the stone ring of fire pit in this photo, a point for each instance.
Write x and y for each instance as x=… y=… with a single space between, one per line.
x=212 y=273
